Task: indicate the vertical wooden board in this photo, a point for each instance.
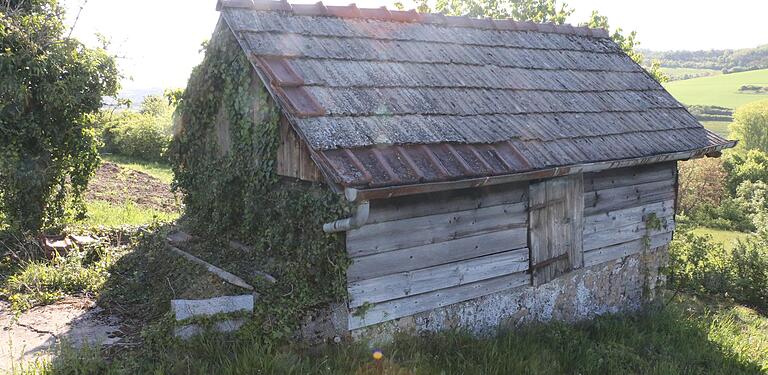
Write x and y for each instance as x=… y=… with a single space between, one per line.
x=537 y=219
x=556 y=222
x=576 y=204
x=293 y=158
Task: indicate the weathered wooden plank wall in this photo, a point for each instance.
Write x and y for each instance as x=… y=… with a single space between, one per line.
x=293 y=158
x=556 y=218
x=617 y=206
x=419 y=253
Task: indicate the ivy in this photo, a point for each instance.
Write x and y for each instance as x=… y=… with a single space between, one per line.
x=231 y=188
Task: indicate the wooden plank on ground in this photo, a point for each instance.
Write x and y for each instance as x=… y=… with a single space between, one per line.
x=390 y=310
x=621 y=250
x=614 y=178
x=401 y=234
x=400 y=285
x=435 y=254
x=629 y=196
x=623 y=217
x=444 y=202
x=627 y=233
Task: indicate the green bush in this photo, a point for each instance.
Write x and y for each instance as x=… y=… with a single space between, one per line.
x=700 y=265
x=730 y=214
x=138 y=135
x=50 y=87
x=745 y=166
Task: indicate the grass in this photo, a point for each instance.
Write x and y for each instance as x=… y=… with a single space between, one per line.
x=101 y=213
x=688 y=336
x=722 y=128
x=720 y=90
x=29 y=279
x=725 y=237
x=157 y=170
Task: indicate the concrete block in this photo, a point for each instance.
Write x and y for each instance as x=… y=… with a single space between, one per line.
x=185 y=309
x=188 y=331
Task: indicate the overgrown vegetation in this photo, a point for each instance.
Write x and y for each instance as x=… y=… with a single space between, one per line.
x=51 y=85
x=224 y=162
x=700 y=265
x=29 y=277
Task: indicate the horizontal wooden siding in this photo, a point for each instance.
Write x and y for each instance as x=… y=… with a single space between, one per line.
x=419 y=253
x=619 y=203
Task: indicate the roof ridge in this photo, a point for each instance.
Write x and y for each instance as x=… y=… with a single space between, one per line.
x=411 y=16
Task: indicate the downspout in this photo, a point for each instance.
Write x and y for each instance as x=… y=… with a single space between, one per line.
x=358 y=219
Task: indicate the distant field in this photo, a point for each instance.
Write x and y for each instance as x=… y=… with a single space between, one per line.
x=725 y=237
x=721 y=90
x=719 y=127
x=688 y=73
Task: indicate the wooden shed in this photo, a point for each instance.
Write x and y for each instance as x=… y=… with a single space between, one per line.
x=501 y=171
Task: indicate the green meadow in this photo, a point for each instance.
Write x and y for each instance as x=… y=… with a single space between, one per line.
x=720 y=90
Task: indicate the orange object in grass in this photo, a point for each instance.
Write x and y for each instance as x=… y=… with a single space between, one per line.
x=378 y=355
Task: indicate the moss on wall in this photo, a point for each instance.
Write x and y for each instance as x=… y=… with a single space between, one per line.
x=236 y=193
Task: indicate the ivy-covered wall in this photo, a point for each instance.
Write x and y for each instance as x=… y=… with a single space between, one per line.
x=231 y=189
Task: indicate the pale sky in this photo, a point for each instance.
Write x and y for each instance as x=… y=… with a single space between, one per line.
x=159 y=40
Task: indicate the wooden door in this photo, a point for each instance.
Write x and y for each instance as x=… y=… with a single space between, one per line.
x=556 y=210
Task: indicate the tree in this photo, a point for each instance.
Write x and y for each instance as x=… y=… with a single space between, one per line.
x=628 y=44
x=50 y=85
x=750 y=126
x=518 y=10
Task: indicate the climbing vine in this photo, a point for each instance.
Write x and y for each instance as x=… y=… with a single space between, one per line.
x=231 y=189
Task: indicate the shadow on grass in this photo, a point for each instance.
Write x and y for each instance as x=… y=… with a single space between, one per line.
x=688 y=336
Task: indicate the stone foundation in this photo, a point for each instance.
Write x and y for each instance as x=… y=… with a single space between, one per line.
x=616 y=286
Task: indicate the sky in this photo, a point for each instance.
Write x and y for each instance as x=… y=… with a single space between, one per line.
x=158 y=41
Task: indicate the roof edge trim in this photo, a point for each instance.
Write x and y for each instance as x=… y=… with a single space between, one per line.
x=396 y=191
x=411 y=16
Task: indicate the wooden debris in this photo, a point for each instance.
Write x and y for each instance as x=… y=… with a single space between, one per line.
x=224 y=275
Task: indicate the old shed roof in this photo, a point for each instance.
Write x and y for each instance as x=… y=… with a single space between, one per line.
x=387 y=98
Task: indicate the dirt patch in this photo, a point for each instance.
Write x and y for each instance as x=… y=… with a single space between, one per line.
x=118 y=185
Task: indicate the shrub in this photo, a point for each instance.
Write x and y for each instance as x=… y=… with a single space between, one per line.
x=138 y=135
x=50 y=85
x=729 y=214
x=145 y=134
x=700 y=265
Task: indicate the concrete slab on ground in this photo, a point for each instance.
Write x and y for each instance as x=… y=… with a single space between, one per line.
x=35 y=334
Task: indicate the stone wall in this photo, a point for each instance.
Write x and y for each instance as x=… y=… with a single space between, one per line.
x=616 y=286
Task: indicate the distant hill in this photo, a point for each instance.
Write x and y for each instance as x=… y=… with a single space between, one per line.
x=726 y=61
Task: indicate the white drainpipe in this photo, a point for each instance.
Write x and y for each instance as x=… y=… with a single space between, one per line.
x=358 y=219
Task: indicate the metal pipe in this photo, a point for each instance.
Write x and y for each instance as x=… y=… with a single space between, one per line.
x=358 y=219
